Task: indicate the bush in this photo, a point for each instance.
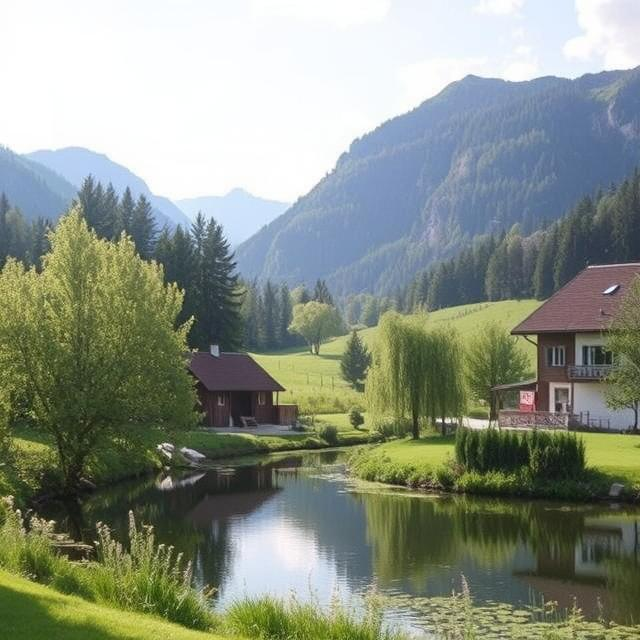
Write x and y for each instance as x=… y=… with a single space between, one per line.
x=329 y=433
x=356 y=419
x=545 y=455
x=392 y=427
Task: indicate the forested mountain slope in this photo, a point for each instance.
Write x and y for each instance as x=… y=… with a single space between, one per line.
x=37 y=191
x=477 y=158
x=75 y=163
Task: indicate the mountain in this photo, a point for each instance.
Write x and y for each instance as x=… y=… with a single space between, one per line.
x=240 y=213
x=480 y=156
x=33 y=188
x=75 y=163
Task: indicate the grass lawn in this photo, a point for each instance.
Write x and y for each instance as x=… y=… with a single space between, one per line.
x=616 y=455
x=315 y=380
x=30 y=610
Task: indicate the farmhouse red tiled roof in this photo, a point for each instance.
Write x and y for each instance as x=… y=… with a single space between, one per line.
x=581 y=305
x=231 y=372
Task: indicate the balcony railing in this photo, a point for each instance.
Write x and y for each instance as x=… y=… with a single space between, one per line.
x=589 y=371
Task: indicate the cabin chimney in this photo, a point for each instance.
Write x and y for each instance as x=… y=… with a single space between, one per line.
x=215 y=350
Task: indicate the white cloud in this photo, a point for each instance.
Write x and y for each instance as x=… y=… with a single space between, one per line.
x=498 y=7
x=422 y=80
x=521 y=65
x=339 y=13
x=610 y=31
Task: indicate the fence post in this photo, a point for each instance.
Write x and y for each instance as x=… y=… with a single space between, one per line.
x=332 y=387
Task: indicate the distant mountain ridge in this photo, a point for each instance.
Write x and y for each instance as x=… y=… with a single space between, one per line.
x=480 y=156
x=36 y=190
x=240 y=212
x=75 y=163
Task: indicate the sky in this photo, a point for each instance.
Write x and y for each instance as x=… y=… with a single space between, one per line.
x=200 y=96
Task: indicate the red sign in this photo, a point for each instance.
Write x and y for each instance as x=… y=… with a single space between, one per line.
x=527 y=401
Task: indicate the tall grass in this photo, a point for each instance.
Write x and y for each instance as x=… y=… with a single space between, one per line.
x=146 y=579
x=149 y=578
x=268 y=618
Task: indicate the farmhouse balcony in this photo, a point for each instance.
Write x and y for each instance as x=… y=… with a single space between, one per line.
x=589 y=371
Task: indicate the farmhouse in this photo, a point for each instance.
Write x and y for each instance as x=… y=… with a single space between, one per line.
x=569 y=330
x=235 y=391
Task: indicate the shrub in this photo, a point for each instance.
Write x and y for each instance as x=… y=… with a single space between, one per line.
x=356 y=419
x=329 y=433
x=392 y=427
x=545 y=455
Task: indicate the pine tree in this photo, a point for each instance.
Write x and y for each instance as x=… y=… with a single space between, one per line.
x=355 y=361
x=216 y=294
x=90 y=199
x=285 y=315
x=110 y=217
x=322 y=294
x=143 y=228
x=4 y=230
x=270 y=325
x=125 y=212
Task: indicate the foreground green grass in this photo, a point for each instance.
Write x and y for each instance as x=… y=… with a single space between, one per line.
x=314 y=382
x=30 y=610
x=614 y=457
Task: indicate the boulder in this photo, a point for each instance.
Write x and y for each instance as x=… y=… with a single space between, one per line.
x=166 y=450
x=615 y=490
x=192 y=455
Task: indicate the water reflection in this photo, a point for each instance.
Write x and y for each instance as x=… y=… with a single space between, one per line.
x=290 y=525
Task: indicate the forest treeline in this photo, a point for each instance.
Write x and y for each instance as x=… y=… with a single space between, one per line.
x=603 y=228
x=600 y=229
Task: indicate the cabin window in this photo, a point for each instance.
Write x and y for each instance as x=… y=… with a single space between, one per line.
x=555 y=357
x=221 y=399
x=262 y=398
x=596 y=355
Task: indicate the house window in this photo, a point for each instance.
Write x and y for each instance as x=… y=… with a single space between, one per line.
x=596 y=355
x=262 y=398
x=221 y=399
x=555 y=357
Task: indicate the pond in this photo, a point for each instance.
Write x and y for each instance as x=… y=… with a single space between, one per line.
x=297 y=524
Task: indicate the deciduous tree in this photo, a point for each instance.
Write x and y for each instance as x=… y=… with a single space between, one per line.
x=315 y=322
x=92 y=340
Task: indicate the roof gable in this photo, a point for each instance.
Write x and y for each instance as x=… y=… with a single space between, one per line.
x=582 y=305
x=231 y=372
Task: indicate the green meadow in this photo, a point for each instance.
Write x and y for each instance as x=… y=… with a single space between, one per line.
x=314 y=382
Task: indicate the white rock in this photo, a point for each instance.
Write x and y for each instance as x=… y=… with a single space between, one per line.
x=167 y=453
x=615 y=490
x=192 y=454
x=168 y=446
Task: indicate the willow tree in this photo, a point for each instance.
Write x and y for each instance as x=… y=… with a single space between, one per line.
x=92 y=341
x=398 y=381
x=415 y=372
x=448 y=382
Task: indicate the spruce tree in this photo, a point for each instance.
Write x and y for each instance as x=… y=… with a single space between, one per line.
x=125 y=212
x=143 y=228
x=216 y=294
x=355 y=361
x=110 y=203
x=270 y=316
x=4 y=230
x=285 y=315
x=322 y=294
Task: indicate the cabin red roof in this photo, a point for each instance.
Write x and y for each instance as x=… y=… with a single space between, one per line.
x=582 y=305
x=231 y=372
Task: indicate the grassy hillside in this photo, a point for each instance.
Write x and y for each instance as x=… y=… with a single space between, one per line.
x=314 y=382
x=29 y=610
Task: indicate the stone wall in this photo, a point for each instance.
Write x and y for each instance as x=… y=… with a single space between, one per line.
x=528 y=419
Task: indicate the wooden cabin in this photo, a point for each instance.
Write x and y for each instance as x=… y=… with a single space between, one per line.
x=235 y=391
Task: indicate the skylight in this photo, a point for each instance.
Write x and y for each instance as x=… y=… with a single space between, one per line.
x=611 y=290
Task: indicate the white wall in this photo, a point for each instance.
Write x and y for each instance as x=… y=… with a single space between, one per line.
x=587 y=340
x=589 y=396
